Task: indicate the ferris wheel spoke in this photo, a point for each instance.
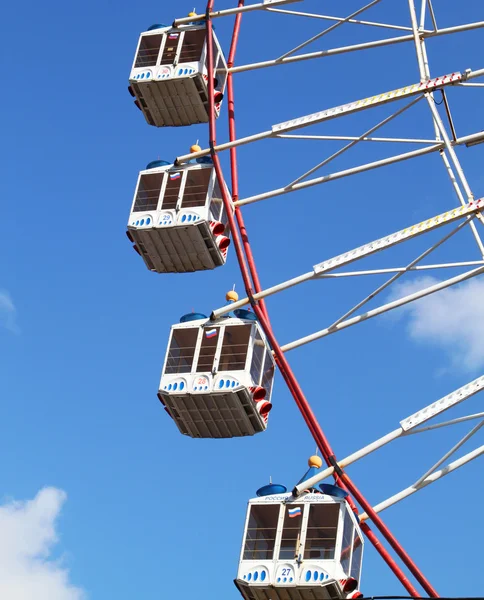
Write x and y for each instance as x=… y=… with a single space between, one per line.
x=354 y=47
x=383 y=309
x=354 y=142
x=324 y=268
x=350 y=138
x=397 y=276
x=329 y=29
x=233 y=11
x=453 y=466
x=448 y=454
x=341 y=174
x=407 y=427
x=469 y=263
x=340 y=110
x=441 y=132
x=342 y=19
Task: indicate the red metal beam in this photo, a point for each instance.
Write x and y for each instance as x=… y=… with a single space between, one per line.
x=251 y=283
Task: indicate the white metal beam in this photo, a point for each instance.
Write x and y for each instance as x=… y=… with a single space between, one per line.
x=448 y=454
x=382 y=309
x=398 y=237
x=354 y=142
x=436 y=408
x=296 y=13
x=233 y=11
x=406 y=426
x=430 y=479
x=366 y=250
x=329 y=29
x=355 y=47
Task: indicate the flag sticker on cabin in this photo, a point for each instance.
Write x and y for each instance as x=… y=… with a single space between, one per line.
x=294 y=512
x=210 y=333
x=174 y=176
x=173 y=36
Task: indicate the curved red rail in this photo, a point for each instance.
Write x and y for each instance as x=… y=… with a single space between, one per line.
x=252 y=285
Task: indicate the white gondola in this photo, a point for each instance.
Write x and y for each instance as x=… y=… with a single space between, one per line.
x=305 y=548
x=178 y=221
x=169 y=75
x=217 y=377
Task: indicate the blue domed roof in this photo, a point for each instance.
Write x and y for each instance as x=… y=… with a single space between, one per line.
x=192 y=317
x=157 y=163
x=242 y=313
x=157 y=26
x=332 y=490
x=271 y=489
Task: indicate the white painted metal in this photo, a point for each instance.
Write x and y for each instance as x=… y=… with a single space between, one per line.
x=216 y=402
x=383 y=309
x=456 y=397
x=296 y=577
x=329 y=29
x=178 y=239
x=354 y=138
x=344 y=109
x=407 y=426
x=456 y=464
x=448 y=454
x=366 y=250
x=234 y=11
x=353 y=143
x=340 y=19
x=395 y=277
x=175 y=94
x=355 y=47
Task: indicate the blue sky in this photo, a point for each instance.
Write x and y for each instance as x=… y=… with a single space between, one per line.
x=144 y=512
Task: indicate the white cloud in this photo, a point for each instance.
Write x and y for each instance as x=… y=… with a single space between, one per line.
x=8 y=312
x=452 y=319
x=27 y=537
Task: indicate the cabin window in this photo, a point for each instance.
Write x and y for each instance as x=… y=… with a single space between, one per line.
x=291 y=533
x=208 y=348
x=172 y=190
x=216 y=205
x=268 y=376
x=149 y=48
x=257 y=358
x=321 y=531
x=347 y=543
x=261 y=532
x=196 y=188
x=181 y=351
x=192 y=46
x=357 y=555
x=169 y=51
x=148 y=192
x=235 y=347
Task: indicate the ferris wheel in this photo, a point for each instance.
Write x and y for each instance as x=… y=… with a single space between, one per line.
x=385 y=93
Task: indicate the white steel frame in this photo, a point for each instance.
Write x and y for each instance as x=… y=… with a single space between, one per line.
x=467 y=215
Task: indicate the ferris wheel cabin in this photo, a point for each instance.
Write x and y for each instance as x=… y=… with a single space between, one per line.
x=178 y=221
x=217 y=377
x=305 y=548
x=169 y=75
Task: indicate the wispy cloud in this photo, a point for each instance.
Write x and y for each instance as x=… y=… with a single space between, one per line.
x=27 y=537
x=452 y=319
x=8 y=312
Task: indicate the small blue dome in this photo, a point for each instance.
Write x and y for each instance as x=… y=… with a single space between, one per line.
x=156 y=26
x=271 y=489
x=157 y=163
x=192 y=317
x=332 y=490
x=242 y=313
